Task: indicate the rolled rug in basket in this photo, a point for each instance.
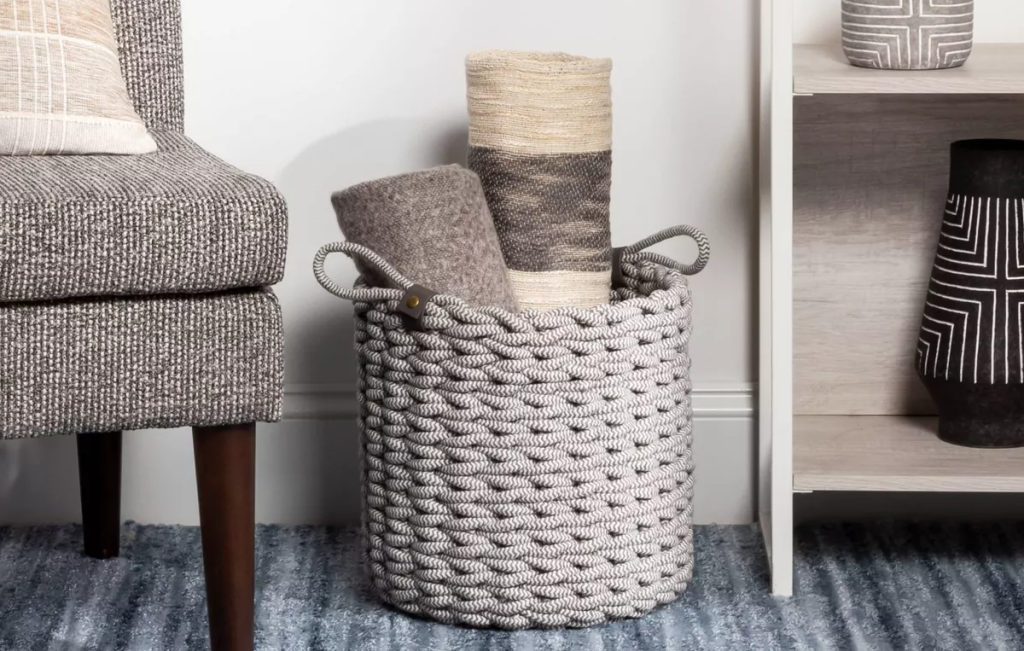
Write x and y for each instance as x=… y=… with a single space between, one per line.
x=540 y=138
x=434 y=227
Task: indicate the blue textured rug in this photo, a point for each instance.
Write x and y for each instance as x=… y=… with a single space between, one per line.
x=874 y=587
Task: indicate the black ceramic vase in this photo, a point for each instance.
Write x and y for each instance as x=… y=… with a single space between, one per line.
x=970 y=353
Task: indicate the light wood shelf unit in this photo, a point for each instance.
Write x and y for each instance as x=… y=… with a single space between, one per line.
x=992 y=68
x=895 y=453
x=854 y=168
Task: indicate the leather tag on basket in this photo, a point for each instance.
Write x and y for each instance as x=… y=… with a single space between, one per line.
x=618 y=278
x=414 y=303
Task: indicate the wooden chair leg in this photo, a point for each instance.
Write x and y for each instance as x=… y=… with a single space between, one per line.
x=99 y=476
x=226 y=475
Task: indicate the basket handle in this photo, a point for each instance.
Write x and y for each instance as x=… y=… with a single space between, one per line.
x=636 y=252
x=407 y=288
x=368 y=257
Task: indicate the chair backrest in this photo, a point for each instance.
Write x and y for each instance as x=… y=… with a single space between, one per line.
x=149 y=41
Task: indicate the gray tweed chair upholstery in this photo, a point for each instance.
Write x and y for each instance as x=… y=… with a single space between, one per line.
x=133 y=294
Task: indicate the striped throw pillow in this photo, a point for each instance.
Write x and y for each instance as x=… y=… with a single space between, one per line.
x=61 y=89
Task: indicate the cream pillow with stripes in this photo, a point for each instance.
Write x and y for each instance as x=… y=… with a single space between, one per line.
x=61 y=89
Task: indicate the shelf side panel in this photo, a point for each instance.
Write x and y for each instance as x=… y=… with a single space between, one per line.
x=780 y=338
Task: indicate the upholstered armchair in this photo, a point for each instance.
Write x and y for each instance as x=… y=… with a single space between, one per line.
x=133 y=295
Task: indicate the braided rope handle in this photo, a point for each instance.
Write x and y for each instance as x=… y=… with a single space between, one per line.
x=636 y=253
x=367 y=256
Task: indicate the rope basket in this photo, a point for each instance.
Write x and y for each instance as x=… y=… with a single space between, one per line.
x=532 y=469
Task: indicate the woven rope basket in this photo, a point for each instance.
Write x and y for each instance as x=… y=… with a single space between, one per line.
x=533 y=469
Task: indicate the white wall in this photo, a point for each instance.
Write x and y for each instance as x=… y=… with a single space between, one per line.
x=316 y=95
x=995 y=21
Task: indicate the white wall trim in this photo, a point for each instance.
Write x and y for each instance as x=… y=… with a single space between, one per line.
x=335 y=401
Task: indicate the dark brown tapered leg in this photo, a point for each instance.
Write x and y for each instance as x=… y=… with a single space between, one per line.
x=226 y=474
x=99 y=476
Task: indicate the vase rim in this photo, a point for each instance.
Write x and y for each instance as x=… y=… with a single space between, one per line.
x=989 y=144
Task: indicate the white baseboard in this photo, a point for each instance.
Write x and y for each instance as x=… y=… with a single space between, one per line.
x=308 y=465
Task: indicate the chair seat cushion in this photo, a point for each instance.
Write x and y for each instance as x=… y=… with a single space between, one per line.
x=176 y=221
x=101 y=365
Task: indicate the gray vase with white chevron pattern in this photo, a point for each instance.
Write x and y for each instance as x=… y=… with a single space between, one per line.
x=908 y=34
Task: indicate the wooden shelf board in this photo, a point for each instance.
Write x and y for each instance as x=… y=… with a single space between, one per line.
x=895 y=453
x=992 y=69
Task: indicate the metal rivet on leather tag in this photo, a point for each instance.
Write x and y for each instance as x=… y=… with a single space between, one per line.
x=415 y=301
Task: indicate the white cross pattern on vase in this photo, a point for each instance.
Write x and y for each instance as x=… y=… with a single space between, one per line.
x=971 y=330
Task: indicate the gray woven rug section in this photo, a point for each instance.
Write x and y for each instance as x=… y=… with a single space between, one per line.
x=877 y=587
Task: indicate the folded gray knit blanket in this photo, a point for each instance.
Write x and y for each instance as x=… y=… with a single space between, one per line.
x=433 y=226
